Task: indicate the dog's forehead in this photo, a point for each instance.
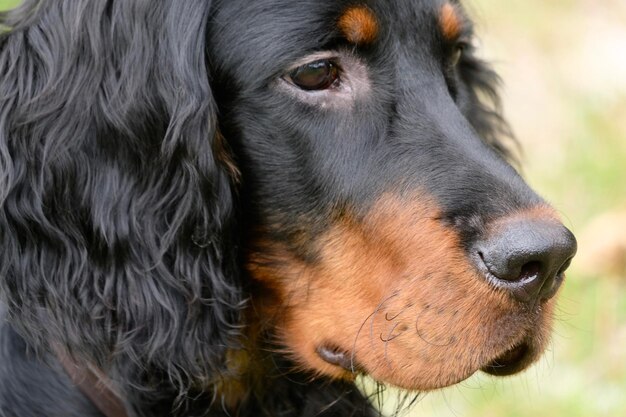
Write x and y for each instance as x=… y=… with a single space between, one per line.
x=277 y=32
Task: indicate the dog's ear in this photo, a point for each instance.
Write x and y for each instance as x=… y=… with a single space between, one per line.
x=117 y=216
x=484 y=108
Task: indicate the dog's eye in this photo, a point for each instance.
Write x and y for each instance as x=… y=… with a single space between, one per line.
x=457 y=53
x=318 y=75
x=456 y=56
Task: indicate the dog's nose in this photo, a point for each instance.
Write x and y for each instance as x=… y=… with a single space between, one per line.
x=528 y=257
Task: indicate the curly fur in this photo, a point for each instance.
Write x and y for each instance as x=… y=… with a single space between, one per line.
x=117 y=223
x=120 y=221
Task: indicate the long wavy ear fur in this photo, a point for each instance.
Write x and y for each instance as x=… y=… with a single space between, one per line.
x=117 y=221
x=484 y=109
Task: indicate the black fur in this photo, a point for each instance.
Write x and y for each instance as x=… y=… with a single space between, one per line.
x=122 y=225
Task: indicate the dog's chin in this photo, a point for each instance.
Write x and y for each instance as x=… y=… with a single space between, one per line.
x=512 y=361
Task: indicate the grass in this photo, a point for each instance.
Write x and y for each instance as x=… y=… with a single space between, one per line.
x=563 y=64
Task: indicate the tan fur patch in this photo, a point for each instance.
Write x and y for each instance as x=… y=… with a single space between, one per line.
x=224 y=156
x=233 y=387
x=450 y=22
x=359 y=25
x=394 y=289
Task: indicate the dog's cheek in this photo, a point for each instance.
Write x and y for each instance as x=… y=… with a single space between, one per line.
x=418 y=341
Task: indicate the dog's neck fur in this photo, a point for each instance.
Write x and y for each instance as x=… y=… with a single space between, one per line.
x=95 y=386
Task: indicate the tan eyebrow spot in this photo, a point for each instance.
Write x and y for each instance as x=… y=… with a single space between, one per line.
x=450 y=22
x=359 y=25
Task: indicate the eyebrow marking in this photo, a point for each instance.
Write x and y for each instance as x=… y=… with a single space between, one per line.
x=359 y=25
x=450 y=21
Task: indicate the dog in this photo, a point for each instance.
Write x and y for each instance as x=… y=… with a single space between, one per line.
x=236 y=208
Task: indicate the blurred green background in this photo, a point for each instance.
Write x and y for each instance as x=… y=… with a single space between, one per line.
x=6 y=4
x=564 y=70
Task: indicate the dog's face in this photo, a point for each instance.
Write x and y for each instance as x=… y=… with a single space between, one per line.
x=390 y=238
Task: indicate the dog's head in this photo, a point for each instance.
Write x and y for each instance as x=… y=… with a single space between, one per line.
x=344 y=156
x=394 y=237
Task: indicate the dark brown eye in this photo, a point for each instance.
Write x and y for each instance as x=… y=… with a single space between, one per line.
x=318 y=75
x=456 y=56
x=457 y=53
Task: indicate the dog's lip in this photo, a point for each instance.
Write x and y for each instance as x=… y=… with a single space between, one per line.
x=337 y=357
x=511 y=361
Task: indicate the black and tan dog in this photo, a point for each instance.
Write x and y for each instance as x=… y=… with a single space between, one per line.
x=235 y=207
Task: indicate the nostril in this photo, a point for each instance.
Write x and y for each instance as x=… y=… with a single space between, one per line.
x=528 y=258
x=565 y=266
x=508 y=271
x=551 y=286
x=529 y=271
